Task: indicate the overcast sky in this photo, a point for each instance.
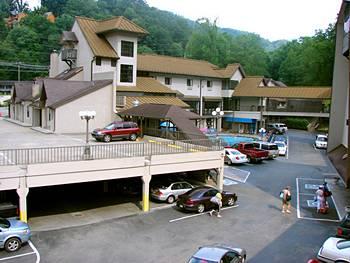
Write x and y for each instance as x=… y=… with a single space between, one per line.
x=271 y=19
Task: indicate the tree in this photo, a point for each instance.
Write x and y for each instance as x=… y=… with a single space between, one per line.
x=54 y=6
x=86 y=8
x=18 y=6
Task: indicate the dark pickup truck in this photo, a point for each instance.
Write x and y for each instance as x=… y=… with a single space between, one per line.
x=253 y=154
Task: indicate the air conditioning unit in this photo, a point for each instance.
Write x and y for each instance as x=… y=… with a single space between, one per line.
x=69 y=54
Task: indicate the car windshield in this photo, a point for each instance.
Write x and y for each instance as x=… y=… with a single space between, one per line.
x=200 y=260
x=4 y=223
x=109 y=126
x=343 y=244
x=322 y=139
x=279 y=144
x=234 y=152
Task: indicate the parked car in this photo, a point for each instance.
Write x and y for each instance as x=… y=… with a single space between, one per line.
x=343 y=230
x=253 y=154
x=219 y=253
x=198 y=199
x=13 y=233
x=234 y=156
x=280 y=138
x=8 y=209
x=117 y=130
x=280 y=127
x=272 y=148
x=335 y=250
x=170 y=192
x=282 y=147
x=321 y=141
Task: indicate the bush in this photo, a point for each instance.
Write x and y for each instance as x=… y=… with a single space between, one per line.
x=297 y=123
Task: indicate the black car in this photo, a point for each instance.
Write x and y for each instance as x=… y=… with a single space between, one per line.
x=343 y=229
x=8 y=209
x=198 y=199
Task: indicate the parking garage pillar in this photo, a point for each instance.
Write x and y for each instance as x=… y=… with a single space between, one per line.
x=220 y=179
x=146 y=179
x=22 y=192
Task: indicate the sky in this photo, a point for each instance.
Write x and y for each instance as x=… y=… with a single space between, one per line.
x=271 y=19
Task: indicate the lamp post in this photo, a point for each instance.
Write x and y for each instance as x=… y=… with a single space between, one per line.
x=217 y=113
x=87 y=115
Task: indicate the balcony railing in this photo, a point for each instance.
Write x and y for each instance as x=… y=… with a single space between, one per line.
x=95 y=152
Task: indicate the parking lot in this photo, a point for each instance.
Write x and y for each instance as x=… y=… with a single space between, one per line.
x=169 y=235
x=28 y=253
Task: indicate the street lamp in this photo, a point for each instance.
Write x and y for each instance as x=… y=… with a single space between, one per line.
x=217 y=113
x=87 y=115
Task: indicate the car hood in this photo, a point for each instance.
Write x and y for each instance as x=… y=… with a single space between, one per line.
x=17 y=224
x=97 y=129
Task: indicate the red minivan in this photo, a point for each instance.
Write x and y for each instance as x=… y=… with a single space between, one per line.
x=118 y=129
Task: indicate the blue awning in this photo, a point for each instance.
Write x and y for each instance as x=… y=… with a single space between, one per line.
x=240 y=120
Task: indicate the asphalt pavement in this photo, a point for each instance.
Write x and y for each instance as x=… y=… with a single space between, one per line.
x=256 y=223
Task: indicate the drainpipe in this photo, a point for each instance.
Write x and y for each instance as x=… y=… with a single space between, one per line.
x=92 y=67
x=114 y=103
x=200 y=103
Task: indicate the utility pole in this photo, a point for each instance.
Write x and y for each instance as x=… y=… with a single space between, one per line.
x=19 y=71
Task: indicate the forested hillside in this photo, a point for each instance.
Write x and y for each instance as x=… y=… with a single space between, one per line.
x=305 y=61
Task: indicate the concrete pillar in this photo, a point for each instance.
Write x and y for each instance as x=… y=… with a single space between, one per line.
x=22 y=192
x=146 y=179
x=220 y=178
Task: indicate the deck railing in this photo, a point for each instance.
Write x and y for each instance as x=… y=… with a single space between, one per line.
x=28 y=156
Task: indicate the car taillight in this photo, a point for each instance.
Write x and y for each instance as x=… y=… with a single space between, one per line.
x=189 y=202
x=158 y=193
x=237 y=158
x=339 y=231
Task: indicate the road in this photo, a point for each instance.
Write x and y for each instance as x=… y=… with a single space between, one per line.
x=169 y=235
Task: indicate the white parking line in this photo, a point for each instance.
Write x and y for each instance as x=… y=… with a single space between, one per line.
x=17 y=256
x=298 y=201
x=195 y=215
x=35 y=251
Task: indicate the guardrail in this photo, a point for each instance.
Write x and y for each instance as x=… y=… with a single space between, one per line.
x=95 y=152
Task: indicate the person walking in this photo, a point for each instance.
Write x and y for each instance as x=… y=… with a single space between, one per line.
x=321 y=200
x=217 y=201
x=286 y=197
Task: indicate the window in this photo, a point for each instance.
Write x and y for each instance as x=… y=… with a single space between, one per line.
x=127 y=49
x=27 y=112
x=189 y=82
x=126 y=73
x=113 y=62
x=98 y=61
x=167 y=81
x=209 y=83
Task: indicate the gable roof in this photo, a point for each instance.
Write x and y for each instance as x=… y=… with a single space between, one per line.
x=68 y=73
x=177 y=65
x=119 y=23
x=22 y=91
x=230 y=70
x=147 y=85
x=163 y=100
x=98 y=44
x=249 y=87
x=60 y=92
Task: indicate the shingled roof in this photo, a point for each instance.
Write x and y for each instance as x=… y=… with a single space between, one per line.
x=60 y=92
x=22 y=91
x=162 y=100
x=119 y=23
x=249 y=87
x=147 y=85
x=230 y=70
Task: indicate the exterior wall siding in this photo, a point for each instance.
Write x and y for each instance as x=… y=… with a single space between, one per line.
x=337 y=125
x=67 y=118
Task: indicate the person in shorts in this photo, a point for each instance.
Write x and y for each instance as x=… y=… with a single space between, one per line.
x=286 y=197
x=217 y=201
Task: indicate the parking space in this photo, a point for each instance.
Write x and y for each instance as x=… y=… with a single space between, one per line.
x=306 y=205
x=235 y=174
x=28 y=253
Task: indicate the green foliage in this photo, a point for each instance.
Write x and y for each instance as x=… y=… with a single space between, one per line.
x=297 y=123
x=54 y=6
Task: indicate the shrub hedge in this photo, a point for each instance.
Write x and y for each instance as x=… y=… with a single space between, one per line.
x=297 y=123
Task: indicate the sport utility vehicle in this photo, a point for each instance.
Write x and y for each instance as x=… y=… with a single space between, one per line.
x=115 y=130
x=272 y=148
x=279 y=127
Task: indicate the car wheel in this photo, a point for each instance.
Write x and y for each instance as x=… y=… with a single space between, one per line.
x=133 y=137
x=171 y=199
x=107 y=138
x=200 y=208
x=12 y=244
x=231 y=201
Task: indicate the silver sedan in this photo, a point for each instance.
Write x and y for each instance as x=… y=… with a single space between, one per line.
x=170 y=192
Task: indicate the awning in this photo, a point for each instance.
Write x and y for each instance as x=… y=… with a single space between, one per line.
x=240 y=120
